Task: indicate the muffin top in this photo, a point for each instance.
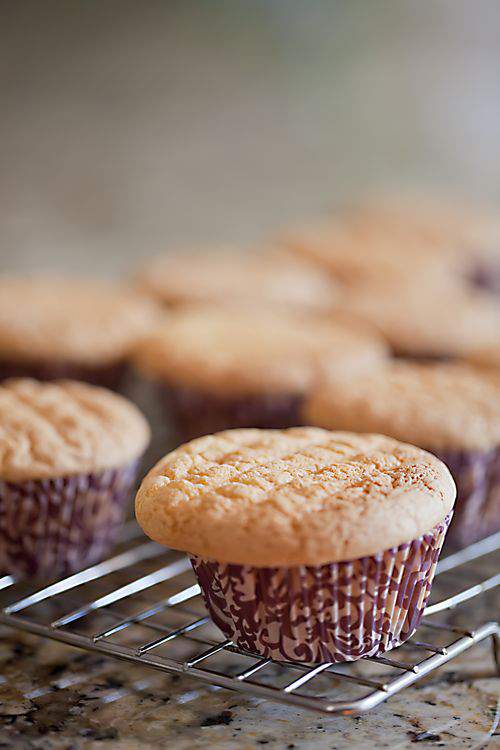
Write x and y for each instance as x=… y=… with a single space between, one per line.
x=357 y=249
x=421 y=321
x=240 y=352
x=58 y=429
x=78 y=321
x=467 y=230
x=439 y=406
x=237 y=278
x=303 y=496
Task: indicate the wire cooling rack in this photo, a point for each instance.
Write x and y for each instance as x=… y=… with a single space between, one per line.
x=143 y=605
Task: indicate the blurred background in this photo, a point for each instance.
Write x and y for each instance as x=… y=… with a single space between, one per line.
x=128 y=128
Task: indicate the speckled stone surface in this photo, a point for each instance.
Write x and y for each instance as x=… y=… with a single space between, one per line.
x=53 y=697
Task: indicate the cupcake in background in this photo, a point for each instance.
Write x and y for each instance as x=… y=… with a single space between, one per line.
x=427 y=322
x=356 y=251
x=308 y=545
x=67 y=328
x=449 y=409
x=468 y=234
x=69 y=456
x=220 y=369
x=235 y=278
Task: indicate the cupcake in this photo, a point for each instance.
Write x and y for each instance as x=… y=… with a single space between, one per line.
x=425 y=322
x=236 y=278
x=358 y=251
x=449 y=409
x=469 y=236
x=66 y=328
x=221 y=369
x=308 y=545
x=69 y=455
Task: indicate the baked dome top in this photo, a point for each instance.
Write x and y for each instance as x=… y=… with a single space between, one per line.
x=50 y=430
x=303 y=496
x=71 y=320
x=439 y=406
x=416 y=320
x=237 y=278
x=358 y=249
x=463 y=228
x=240 y=351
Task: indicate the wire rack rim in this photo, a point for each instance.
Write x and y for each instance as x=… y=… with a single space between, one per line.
x=379 y=690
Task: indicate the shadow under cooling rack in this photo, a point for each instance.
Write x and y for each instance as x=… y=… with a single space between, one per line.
x=143 y=605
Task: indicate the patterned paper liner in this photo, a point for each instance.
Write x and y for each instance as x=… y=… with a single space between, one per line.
x=329 y=613
x=195 y=413
x=108 y=376
x=477 y=508
x=52 y=527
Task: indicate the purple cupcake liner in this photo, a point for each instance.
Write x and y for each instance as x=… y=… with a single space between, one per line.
x=477 y=507
x=52 y=527
x=486 y=276
x=195 y=413
x=329 y=613
x=428 y=356
x=108 y=376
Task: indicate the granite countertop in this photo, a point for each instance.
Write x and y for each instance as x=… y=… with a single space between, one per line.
x=55 y=697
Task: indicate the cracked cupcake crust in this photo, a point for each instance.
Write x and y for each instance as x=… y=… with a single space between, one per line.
x=439 y=406
x=303 y=496
x=86 y=322
x=65 y=428
x=242 y=352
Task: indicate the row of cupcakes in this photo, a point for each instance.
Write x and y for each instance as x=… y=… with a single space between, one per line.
x=253 y=341
x=308 y=544
x=412 y=281
x=404 y=269
x=217 y=373
x=90 y=330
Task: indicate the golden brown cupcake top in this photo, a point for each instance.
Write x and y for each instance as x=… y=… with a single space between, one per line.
x=461 y=227
x=50 y=430
x=237 y=278
x=421 y=321
x=445 y=406
x=303 y=496
x=239 y=352
x=360 y=250
x=79 y=321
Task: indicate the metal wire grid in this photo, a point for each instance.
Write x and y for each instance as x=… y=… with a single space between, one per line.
x=107 y=618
